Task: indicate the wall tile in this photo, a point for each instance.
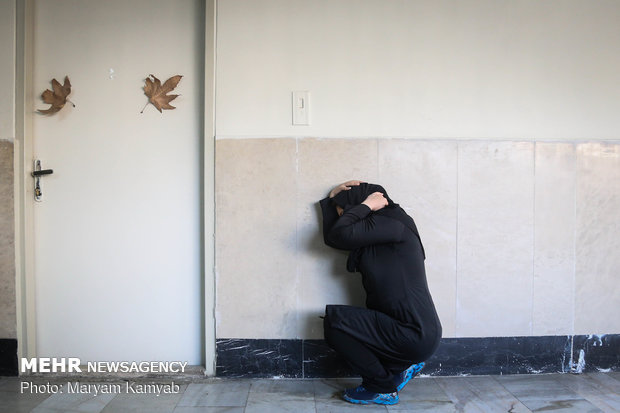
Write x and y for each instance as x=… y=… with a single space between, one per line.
x=421 y=176
x=597 y=290
x=257 y=357
x=255 y=231
x=495 y=238
x=554 y=239
x=7 y=243
x=322 y=164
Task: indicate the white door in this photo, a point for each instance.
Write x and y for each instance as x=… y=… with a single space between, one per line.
x=117 y=234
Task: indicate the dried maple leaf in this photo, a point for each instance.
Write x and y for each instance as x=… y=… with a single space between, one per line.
x=57 y=97
x=158 y=93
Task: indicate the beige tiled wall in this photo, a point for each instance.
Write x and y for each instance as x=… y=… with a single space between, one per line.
x=7 y=243
x=322 y=276
x=554 y=239
x=421 y=176
x=495 y=233
x=521 y=237
x=256 y=254
x=597 y=239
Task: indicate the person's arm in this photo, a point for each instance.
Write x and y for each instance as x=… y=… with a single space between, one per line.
x=330 y=216
x=356 y=228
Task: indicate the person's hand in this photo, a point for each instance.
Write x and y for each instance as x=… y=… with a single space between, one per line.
x=375 y=201
x=343 y=187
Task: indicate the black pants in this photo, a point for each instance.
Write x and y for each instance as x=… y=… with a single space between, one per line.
x=377 y=370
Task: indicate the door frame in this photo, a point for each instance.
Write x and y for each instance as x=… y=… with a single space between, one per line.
x=24 y=204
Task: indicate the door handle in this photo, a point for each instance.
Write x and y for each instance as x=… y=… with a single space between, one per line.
x=37 y=173
x=43 y=172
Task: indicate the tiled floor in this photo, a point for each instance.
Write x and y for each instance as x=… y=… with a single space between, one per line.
x=592 y=392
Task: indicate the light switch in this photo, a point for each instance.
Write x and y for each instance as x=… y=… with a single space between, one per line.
x=301 y=107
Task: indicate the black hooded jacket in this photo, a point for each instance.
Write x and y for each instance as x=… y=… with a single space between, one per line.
x=386 y=249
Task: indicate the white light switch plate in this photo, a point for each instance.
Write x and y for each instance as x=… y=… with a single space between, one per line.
x=301 y=107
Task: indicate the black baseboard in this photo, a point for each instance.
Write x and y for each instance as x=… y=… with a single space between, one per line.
x=8 y=357
x=455 y=356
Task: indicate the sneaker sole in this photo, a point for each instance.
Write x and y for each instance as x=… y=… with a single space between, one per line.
x=409 y=377
x=366 y=402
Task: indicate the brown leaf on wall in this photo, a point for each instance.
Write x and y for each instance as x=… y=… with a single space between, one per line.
x=57 y=97
x=158 y=93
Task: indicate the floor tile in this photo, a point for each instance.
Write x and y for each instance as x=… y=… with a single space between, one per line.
x=328 y=397
x=295 y=388
x=85 y=402
x=423 y=394
x=545 y=392
x=480 y=393
x=147 y=403
x=22 y=394
x=597 y=388
x=216 y=394
x=326 y=389
x=323 y=406
x=19 y=384
x=264 y=404
x=614 y=374
x=281 y=396
x=14 y=402
x=209 y=410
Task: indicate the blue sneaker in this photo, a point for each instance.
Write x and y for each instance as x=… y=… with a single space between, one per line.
x=403 y=378
x=360 y=395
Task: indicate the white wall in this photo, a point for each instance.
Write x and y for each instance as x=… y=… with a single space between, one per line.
x=7 y=69
x=520 y=69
